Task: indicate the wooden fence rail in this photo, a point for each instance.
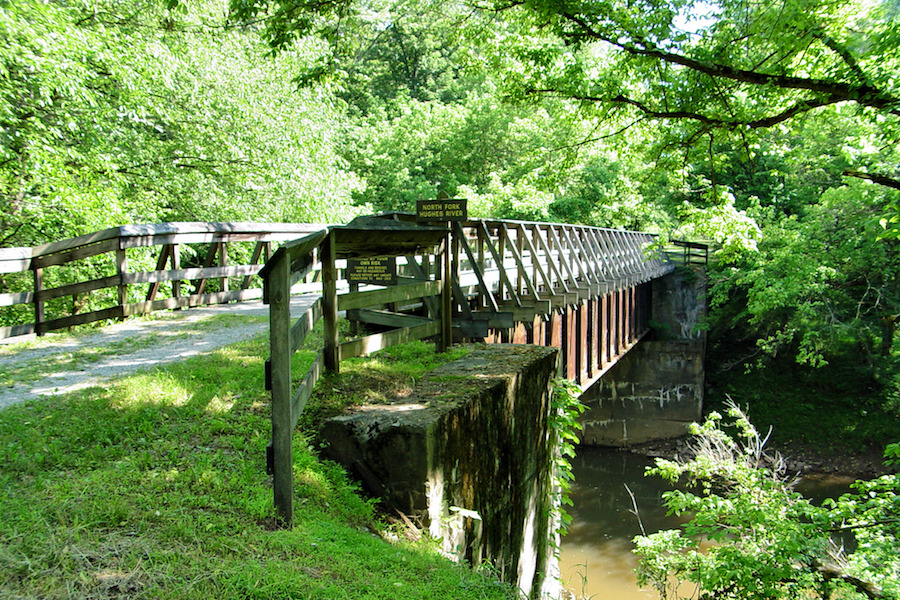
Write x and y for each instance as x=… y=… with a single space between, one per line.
x=114 y=250
x=321 y=250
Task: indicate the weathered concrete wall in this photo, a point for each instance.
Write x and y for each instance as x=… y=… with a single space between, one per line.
x=656 y=390
x=470 y=455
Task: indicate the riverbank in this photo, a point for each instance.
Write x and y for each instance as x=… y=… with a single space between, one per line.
x=800 y=460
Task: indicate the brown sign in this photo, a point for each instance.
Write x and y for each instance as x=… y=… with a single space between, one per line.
x=452 y=209
x=379 y=270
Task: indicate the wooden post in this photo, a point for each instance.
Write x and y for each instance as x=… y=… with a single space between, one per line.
x=223 y=262
x=278 y=293
x=446 y=297
x=176 y=265
x=121 y=269
x=329 y=305
x=38 y=302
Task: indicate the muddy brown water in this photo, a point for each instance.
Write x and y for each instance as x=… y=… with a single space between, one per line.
x=596 y=559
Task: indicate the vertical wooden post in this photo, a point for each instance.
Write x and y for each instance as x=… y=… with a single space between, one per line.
x=121 y=269
x=176 y=265
x=278 y=294
x=223 y=262
x=329 y=305
x=446 y=289
x=38 y=301
x=482 y=301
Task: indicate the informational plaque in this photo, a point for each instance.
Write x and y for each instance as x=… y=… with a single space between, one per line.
x=378 y=270
x=450 y=209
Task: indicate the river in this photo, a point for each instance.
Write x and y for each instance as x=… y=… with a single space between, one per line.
x=595 y=558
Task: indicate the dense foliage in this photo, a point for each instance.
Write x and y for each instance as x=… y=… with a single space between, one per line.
x=120 y=112
x=751 y=536
x=770 y=129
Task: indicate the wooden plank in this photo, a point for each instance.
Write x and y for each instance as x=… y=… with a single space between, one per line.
x=379 y=341
x=477 y=267
x=214 y=237
x=200 y=283
x=121 y=269
x=38 y=276
x=77 y=288
x=160 y=265
x=141 y=308
x=305 y=324
x=254 y=259
x=301 y=268
x=297 y=248
x=194 y=273
x=563 y=256
x=472 y=328
x=536 y=262
x=523 y=274
x=11 y=299
x=279 y=296
x=61 y=258
x=419 y=273
x=237 y=227
x=15 y=260
x=306 y=388
x=548 y=257
x=176 y=266
x=223 y=263
x=386 y=318
x=446 y=297
x=330 y=305
x=503 y=276
x=399 y=293
x=9 y=331
x=80 y=319
x=76 y=242
x=364 y=242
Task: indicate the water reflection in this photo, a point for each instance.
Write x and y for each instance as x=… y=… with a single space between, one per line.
x=595 y=557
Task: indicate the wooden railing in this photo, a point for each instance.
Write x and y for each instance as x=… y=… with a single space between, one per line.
x=321 y=251
x=689 y=253
x=506 y=272
x=191 y=258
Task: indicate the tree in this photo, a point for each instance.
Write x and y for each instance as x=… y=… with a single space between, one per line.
x=762 y=540
x=741 y=67
x=116 y=112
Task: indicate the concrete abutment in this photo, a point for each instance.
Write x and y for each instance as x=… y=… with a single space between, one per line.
x=470 y=456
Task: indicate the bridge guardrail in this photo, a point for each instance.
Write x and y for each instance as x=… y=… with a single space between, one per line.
x=111 y=251
x=294 y=261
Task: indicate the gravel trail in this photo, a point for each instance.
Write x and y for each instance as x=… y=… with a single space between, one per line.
x=58 y=363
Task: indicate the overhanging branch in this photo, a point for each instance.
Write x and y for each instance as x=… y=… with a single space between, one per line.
x=832 y=91
x=875 y=178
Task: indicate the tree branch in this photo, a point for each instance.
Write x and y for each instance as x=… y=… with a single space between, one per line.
x=874 y=177
x=788 y=113
x=862 y=93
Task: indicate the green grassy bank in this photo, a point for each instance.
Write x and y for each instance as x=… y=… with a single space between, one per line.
x=155 y=487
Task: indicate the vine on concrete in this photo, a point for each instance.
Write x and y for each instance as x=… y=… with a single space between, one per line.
x=566 y=408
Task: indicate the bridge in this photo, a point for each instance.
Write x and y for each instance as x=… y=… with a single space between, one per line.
x=584 y=290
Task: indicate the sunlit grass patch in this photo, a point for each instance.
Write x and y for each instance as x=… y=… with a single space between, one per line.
x=155 y=487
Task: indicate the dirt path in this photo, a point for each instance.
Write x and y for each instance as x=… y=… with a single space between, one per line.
x=57 y=363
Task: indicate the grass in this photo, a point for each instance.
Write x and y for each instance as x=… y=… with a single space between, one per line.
x=155 y=487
